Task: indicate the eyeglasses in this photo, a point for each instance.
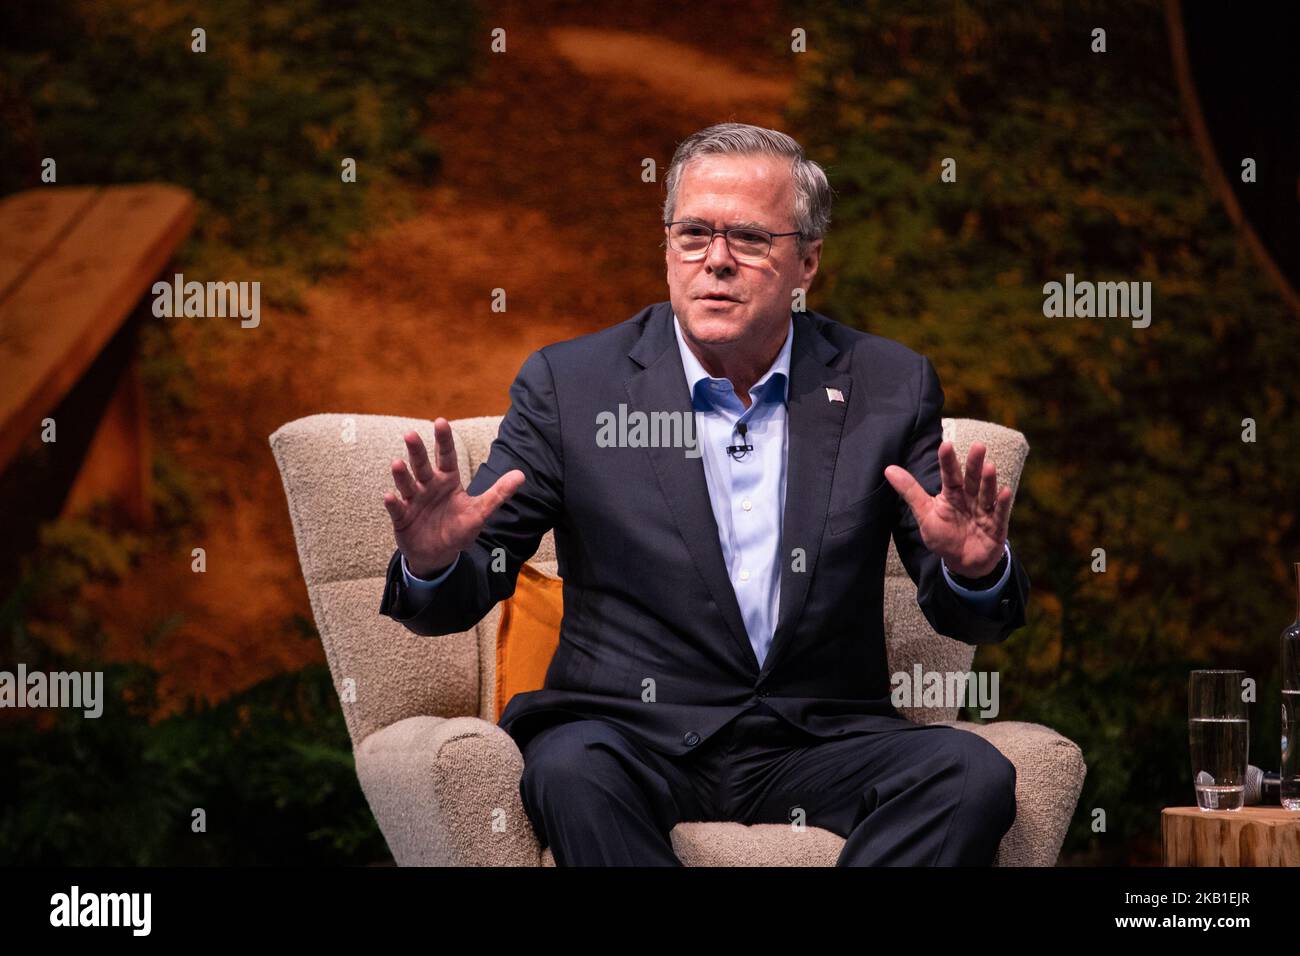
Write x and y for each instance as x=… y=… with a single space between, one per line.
x=695 y=238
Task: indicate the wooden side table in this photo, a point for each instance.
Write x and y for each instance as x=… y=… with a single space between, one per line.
x=1251 y=836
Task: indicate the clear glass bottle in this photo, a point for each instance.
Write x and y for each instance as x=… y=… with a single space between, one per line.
x=1290 y=773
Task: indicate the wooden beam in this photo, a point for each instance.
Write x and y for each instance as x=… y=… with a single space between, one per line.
x=33 y=223
x=78 y=289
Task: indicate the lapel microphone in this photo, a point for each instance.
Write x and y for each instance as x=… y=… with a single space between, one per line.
x=738 y=452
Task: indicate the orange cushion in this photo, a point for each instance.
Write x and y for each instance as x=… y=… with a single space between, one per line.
x=528 y=634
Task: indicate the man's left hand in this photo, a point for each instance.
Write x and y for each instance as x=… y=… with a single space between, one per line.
x=966 y=522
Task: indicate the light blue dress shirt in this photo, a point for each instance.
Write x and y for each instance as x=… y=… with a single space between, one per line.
x=748 y=493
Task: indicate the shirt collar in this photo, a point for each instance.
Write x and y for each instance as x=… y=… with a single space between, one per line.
x=778 y=373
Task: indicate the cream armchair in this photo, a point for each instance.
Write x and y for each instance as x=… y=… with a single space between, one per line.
x=443 y=779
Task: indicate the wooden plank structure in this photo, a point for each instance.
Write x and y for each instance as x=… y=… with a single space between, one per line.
x=75 y=263
x=1251 y=836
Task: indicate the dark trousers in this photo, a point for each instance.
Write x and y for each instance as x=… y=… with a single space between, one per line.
x=939 y=796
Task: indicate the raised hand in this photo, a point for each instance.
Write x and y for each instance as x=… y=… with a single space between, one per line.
x=966 y=522
x=435 y=519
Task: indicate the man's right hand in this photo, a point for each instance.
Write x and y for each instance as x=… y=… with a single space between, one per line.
x=435 y=519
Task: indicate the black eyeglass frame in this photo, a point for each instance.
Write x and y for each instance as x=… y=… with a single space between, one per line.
x=726 y=237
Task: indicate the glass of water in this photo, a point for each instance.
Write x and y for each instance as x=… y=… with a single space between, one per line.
x=1220 y=737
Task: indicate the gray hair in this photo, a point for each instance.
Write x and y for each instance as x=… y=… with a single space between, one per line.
x=812 y=193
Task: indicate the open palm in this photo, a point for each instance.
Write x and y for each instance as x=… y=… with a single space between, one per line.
x=435 y=518
x=966 y=522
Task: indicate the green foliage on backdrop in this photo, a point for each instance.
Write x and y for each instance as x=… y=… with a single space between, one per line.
x=256 y=126
x=1070 y=161
x=270 y=768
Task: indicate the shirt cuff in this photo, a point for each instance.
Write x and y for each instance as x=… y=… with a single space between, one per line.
x=421 y=586
x=985 y=599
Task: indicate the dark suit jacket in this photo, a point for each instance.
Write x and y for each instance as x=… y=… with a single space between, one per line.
x=646 y=590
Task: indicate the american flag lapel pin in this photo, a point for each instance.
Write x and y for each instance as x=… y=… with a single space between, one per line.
x=834 y=395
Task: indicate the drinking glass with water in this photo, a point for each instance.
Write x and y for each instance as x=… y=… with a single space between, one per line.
x=1220 y=737
x=1290 y=782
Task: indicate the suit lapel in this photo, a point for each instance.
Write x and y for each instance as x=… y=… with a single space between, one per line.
x=661 y=386
x=814 y=426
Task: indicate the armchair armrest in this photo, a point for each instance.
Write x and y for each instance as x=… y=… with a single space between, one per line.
x=445 y=791
x=1049 y=777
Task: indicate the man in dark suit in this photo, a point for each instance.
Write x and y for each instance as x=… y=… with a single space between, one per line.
x=723 y=473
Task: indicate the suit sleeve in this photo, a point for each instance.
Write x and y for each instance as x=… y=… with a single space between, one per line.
x=486 y=572
x=947 y=613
